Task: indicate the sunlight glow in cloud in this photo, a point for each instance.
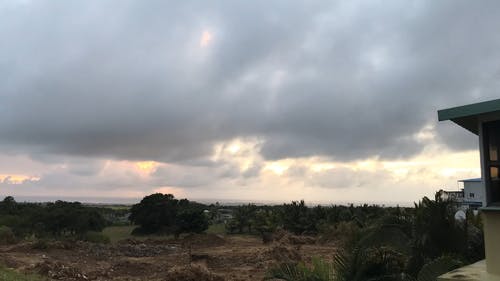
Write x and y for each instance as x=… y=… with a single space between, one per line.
x=206 y=38
x=276 y=167
x=234 y=148
x=17 y=179
x=147 y=167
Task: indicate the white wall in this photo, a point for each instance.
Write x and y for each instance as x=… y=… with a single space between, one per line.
x=476 y=188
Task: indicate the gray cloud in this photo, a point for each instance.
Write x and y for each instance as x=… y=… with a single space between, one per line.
x=346 y=80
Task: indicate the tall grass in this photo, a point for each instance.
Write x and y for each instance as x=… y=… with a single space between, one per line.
x=11 y=275
x=319 y=270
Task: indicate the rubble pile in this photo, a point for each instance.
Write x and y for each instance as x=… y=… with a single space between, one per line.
x=60 y=271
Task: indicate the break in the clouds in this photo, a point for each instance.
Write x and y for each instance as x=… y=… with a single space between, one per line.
x=170 y=81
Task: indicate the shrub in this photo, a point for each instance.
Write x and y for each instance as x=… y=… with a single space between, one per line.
x=319 y=270
x=345 y=233
x=7 y=235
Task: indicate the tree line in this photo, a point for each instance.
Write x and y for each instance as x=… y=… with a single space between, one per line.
x=57 y=219
x=390 y=244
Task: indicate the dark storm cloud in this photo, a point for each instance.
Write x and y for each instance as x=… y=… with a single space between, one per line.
x=347 y=80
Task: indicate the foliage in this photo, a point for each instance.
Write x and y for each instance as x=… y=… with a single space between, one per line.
x=402 y=247
x=58 y=219
x=344 y=233
x=398 y=244
x=319 y=270
x=298 y=218
x=7 y=235
x=244 y=217
x=190 y=221
x=71 y=218
x=374 y=263
x=162 y=213
x=439 y=266
x=435 y=228
x=155 y=212
x=11 y=275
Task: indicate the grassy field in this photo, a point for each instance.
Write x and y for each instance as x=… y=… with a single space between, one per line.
x=11 y=275
x=117 y=233
x=217 y=229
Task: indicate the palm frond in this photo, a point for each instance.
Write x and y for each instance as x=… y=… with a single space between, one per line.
x=433 y=269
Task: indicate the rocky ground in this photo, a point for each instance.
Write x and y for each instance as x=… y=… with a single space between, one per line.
x=195 y=257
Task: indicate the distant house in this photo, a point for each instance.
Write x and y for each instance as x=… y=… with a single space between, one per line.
x=224 y=215
x=471 y=196
x=220 y=215
x=457 y=196
x=474 y=193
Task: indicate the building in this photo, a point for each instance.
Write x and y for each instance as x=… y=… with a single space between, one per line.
x=471 y=196
x=457 y=196
x=223 y=215
x=483 y=120
x=474 y=193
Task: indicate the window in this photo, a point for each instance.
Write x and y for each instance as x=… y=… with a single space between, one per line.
x=471 y=195
x=491 y=145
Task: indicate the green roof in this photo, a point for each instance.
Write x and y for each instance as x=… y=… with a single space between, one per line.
x=467 y=115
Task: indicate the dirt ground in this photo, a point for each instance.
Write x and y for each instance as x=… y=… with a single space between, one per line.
x=195 y=257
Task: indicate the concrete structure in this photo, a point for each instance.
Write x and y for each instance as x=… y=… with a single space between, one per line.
x=457 y=196
x=474 y=193
x=471 y=196
x=483 y=120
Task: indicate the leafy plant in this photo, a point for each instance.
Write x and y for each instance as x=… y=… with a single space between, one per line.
x=439 y=266
x=319 y=270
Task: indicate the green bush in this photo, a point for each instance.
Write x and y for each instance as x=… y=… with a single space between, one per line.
x=7 y=235
x=96 y=237
x=344 y=233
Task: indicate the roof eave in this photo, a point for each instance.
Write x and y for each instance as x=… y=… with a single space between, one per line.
x=467 y=116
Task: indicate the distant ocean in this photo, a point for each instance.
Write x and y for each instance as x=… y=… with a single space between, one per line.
x=231 y=202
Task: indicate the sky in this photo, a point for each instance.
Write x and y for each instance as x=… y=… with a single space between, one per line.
x=326 y=101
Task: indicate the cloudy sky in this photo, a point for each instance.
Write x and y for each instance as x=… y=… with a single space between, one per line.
x=327 y=101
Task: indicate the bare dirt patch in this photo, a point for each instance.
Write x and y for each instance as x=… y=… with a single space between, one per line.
x=196 y=257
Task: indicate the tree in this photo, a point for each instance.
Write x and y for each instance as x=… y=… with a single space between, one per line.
x=298 y=218
x=190 y=220
x=162 y=213
x=155 y=213
x=69 y=218
x=244 y=217
x=8 y=206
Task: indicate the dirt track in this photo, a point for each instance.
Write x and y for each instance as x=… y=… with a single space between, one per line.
x=229 y=257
